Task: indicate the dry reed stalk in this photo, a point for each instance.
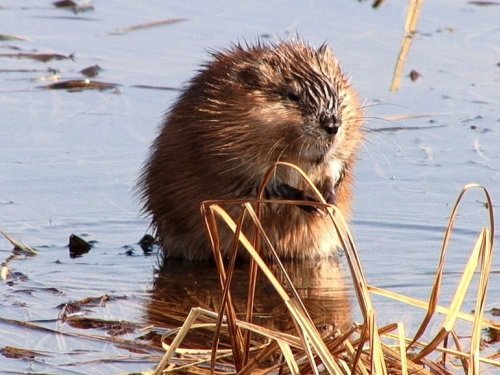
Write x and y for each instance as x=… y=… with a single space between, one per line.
x=19 y=245
x=481 y=256
x=149 y=25
x=412 y=16
x=425 y=305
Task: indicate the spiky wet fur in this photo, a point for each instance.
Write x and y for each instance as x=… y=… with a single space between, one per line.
x=247 y=108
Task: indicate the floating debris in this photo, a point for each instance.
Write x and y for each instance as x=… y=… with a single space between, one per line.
x=19 y=245
x=20 y=70
x=484 y=3
x=90 y=302
x=4 y=272
x=18 y=353
x=111 y=327
x=80 y=85
x=150 y=87
x=377 y=3
x=147 y=243
x=448 y=29
x=73 y=6
x=91 y=71
x=42 y=57
x=149 y=25
x=129 y=250
x=414 y=75
x=54 y=77
x=4 y=37
x=64 y=4
x=78 y=246
x=399 y=128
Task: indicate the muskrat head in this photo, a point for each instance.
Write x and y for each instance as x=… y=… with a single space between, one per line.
x=304 y=97
x=286 y=101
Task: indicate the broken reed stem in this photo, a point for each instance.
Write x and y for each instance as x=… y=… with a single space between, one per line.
x=226 y=305
x=250 y=304
x=412 y=16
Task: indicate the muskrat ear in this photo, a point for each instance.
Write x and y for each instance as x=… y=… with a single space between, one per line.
x=249 y=76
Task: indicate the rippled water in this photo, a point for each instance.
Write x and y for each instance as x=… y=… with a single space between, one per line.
x=69 y=160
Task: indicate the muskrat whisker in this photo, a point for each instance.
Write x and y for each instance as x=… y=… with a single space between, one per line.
x=379 y=104
x=273 y=148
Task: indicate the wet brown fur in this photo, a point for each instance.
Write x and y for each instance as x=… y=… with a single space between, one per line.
x=237 y=117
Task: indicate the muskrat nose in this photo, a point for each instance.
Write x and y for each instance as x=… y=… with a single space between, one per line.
x=330 y=124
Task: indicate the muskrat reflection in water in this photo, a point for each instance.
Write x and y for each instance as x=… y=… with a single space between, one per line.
x=180 y=286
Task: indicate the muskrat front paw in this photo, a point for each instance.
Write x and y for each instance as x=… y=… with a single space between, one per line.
x=285 y=191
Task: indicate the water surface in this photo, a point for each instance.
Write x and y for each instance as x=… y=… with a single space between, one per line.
x=69 y=160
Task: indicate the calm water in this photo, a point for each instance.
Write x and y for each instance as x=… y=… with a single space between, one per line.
x=69 y=160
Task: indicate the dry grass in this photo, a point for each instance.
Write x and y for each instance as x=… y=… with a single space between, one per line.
x=365 y=348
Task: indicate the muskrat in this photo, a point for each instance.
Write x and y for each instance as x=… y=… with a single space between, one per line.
x=247 y=108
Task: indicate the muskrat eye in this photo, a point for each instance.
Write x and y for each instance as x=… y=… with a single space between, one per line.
x=292 y=96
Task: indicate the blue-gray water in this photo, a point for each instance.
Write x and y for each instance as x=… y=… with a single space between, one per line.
x=69 y=160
